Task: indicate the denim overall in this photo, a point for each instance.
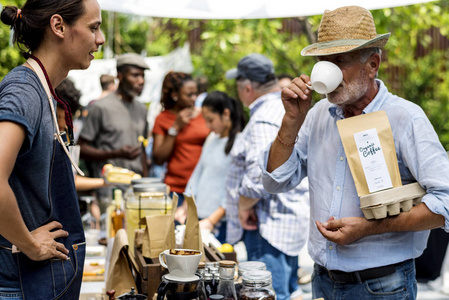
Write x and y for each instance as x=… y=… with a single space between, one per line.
x=56 y=278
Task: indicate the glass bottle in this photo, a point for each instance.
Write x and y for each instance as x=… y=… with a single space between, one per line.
x=213 y=270
x=202 y=286
x=209 y=264
x=215 y=278
x=257 y=285
x=226 y=285
x=215 y=282
x=201 y=267
x=244 y=267
x=118 y=215
x=208 y=284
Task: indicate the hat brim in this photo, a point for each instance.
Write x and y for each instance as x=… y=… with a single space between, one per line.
x=232 y=74
x=343 y=46
x=142 y=66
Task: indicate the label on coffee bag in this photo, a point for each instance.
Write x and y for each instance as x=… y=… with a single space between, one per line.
x=373 y=160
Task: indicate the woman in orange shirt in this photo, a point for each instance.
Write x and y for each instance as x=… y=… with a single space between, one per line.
x=179 y=131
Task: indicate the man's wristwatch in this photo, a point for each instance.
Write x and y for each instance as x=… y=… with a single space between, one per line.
x=172 y=131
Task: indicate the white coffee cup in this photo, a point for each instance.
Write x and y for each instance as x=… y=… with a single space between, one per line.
x=183 y=266
x=325 y=77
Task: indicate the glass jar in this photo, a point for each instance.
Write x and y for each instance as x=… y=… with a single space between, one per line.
x=226 y=285
x=244 y=267
x=145 y=200
x=257 y=285
x=146 y=180
x=251 y=266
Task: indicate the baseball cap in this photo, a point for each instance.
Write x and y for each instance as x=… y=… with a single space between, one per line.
x=131 y=59
x=255 y=67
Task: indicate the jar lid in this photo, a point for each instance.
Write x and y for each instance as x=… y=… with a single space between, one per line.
x=216 y=297
x=256 y=276
x=150 y=188
x=251 y=265
x=208 y=276
x=201 y=265
x=211 y=264
x=146 y=180
x=227 y=263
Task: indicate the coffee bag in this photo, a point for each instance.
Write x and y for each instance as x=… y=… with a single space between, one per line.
x=369 y=147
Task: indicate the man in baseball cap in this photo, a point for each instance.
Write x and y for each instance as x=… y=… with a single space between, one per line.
x=255 y=67
x=273 y=227
x=356 y=258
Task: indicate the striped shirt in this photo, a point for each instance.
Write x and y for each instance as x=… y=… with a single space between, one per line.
x=283 y=218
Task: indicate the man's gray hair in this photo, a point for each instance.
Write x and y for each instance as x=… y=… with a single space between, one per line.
x=262 y=88
x=367 y=52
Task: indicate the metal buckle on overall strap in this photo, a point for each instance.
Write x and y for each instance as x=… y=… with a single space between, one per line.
x=13 y=248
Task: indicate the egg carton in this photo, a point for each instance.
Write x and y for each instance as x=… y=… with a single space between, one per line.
x=392 y=201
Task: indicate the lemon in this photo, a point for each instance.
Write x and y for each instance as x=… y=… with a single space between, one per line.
x=226 y=248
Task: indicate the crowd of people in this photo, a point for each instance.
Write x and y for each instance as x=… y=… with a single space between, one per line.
x=275 y=177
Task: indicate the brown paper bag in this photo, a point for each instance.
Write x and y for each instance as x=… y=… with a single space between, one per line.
x=159 y=232
x=349 y=128
x=192 y=238
x=120 y=277
x=138 y=238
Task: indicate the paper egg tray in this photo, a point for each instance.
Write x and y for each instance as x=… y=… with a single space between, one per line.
x=392 y=201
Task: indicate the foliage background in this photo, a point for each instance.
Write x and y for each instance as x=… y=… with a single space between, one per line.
x=415 y=58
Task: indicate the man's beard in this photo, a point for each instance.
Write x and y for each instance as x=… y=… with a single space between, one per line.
x=127 y=90
x=348 y=94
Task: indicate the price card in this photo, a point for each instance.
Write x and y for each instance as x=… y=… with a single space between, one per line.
x=373 y=160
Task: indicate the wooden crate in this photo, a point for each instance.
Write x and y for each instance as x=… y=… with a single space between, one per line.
x=213 y=254
x=151 y=273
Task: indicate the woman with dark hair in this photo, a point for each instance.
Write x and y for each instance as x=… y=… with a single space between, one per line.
x=42 y=244
x=224 y=116
x=179 y=131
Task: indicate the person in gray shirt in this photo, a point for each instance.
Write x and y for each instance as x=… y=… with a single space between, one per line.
x=114 y=124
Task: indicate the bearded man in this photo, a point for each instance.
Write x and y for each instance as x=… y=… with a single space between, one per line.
x=112 y=128
x=356 y=258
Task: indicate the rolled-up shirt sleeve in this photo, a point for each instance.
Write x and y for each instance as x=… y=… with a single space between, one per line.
x=286 y=177
x=427 y=161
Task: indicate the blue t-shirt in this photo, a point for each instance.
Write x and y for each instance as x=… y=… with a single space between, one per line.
x=23 y=101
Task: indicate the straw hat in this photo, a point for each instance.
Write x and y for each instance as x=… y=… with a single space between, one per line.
x=346 y=29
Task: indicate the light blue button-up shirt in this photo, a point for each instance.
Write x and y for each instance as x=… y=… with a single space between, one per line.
x=319 y=155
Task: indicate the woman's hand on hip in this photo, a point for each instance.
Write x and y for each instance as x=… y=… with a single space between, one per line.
x=46 y=246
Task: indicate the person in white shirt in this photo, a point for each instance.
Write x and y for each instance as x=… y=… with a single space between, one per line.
x=224 y=116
